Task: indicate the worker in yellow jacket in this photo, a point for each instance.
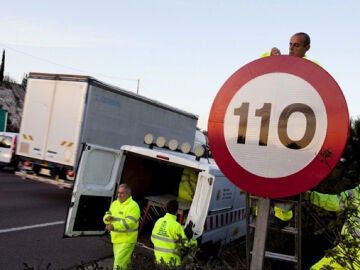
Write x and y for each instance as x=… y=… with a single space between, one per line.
x=298 y=46
x=187 y=185
x=122 y=221
x=168 y=237
x=347 y=252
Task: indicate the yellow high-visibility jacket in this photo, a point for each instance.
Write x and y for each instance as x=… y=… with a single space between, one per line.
x=283 y=211
x=347 y=199
x=168 y=237
x=125 y=220
x=187 y=185
x=305 y=57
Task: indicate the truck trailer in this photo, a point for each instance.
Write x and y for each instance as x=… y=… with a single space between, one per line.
x=216 y=214
x=63 y=112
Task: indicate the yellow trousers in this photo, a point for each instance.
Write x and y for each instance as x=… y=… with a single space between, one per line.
x=122 y=255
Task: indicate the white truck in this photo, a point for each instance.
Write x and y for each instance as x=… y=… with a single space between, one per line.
x=63 y=112
x=216 y=214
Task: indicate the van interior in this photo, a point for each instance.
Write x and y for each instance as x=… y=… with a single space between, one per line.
x=153 y=183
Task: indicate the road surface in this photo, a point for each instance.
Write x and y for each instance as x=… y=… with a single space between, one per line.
x=32 y=217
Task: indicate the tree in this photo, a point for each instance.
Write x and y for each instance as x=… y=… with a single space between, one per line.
x=24 y=80
x=2 y=68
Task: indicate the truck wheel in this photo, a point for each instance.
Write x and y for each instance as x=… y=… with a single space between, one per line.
x=36 y=169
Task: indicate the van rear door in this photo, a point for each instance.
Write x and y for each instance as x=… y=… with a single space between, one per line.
x=200 y=204
x=94 y=189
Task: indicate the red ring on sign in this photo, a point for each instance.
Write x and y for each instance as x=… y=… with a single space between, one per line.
x=331 y=150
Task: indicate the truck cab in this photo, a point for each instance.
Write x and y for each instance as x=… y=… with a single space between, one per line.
x=215 y=215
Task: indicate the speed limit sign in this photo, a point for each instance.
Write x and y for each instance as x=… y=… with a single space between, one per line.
x=278 y=126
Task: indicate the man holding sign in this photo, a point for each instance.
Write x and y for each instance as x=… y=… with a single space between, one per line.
x=298 y=46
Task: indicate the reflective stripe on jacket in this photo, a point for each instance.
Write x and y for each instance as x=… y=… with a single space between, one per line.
x=125 y=220
x=349 y=199
x=168 y=236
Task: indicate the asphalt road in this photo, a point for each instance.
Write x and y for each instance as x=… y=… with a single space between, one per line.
x=32 y=218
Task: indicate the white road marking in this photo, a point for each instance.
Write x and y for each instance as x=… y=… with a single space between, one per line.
x=31 y=226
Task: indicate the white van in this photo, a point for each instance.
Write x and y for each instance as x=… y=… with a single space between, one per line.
x=8 y=143
x=216 y=215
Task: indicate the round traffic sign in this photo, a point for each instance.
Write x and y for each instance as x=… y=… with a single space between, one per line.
x=278 y=126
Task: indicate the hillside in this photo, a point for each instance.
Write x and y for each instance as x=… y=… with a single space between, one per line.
x=12 y=99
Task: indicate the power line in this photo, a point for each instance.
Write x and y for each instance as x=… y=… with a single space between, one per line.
x=65 y=66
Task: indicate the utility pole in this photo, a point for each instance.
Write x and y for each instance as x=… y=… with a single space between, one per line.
x=138 y=86
x=2 y=67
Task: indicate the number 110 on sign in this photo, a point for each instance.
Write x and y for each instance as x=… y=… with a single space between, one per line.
x=264 y=114
x=275 y=125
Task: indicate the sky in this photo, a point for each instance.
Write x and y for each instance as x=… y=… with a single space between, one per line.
x=177 y=52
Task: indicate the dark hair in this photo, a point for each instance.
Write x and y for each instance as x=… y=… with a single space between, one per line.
x=306 y=38
x=172 y=206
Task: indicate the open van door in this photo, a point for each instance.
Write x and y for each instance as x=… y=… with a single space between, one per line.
x=200 y=204
x=94 y=189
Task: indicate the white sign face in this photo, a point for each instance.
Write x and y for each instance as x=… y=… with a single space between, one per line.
x=281 y=122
